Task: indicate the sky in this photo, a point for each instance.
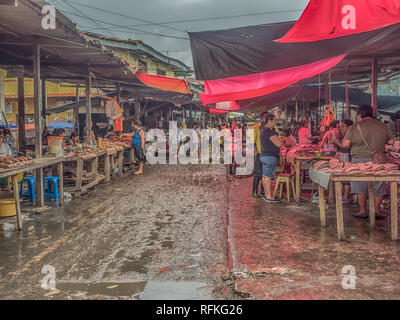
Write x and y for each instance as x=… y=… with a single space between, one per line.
x=159 y=23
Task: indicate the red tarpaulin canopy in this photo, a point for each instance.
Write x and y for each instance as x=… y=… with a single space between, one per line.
x=164 y=83
x=217 y=111
x=257 y=85
x=329 y=19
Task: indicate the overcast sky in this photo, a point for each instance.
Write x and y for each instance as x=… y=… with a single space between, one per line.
x=139 y=14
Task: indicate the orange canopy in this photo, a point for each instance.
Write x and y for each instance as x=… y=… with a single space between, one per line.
x=164 y=83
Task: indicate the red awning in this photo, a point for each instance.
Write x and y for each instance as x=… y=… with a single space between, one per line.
x=257 y=85
x=227 y=106
x=323 y=20
x=217 y=111
x=164 y=83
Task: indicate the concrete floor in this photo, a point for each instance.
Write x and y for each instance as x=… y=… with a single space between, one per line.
x=185 y=232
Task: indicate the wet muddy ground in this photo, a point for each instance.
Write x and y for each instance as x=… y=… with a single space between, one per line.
x=189 y=232
x=165 y=231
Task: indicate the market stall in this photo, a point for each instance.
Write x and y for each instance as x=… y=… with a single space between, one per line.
x=31 y=165
x=334 y=171
x=301 y=158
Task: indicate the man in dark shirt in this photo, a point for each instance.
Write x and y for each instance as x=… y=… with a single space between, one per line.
x=270 y=150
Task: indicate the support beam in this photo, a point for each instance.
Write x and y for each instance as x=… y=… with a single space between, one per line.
x=21 y=113
x=44 y=103
x=2 y=93
x=137 y=110
x=76 y=112
x=88 y=109
x=346 y=75
x=191 y=117
x=374 y=86
x=118 y=96
x=37 y=100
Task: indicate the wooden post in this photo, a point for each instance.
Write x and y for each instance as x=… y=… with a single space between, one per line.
x=371 y=204
x=60 y=172
x=321 y=192
x=37 y=100
x=21 y=113
x=2 y=92
x=16 y=198
x=44 y=103
x=79 y=172
x=191 y=116
x=137 y=109
x=339 y=211
x=118 y=97
x=374 y=86
x=297 y=111
x=77 y=111
x=326 y=91
x=298 y=189
x=88 y=109
x=394 y=210
x=107 y=168
x=39 y=187
x=347 y=93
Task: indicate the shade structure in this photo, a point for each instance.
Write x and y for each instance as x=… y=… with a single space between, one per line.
x=250 y=50
x=164 y=83
x=257 y=85
x=323 y=20
x=228 y=106
x=61 y=125
x=217 y=111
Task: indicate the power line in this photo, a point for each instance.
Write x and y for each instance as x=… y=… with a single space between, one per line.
x=119 y=26
x=217 y=18
x=126 y=16
x=90 y=19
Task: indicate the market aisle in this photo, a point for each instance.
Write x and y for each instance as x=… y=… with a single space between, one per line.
x=281 y=252
x=167 y=225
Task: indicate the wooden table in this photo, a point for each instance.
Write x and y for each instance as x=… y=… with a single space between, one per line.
x=297 y=163
x=38 y=166
x=96 y=178
x=337 y=179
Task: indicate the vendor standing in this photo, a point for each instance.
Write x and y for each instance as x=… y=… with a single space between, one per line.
x=270 y=151
x=367 y=135
x=304 y=133
x=138 y=141
x=5 y=151
x=257 y=162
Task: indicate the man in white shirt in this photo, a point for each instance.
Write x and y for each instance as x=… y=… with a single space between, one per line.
x=5 y=150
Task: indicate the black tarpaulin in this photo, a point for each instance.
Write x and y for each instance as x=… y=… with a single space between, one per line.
x=156 y=94
x=249 y=50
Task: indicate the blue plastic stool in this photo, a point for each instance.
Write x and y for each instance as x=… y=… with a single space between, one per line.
x=31 y=193
x=52 y=187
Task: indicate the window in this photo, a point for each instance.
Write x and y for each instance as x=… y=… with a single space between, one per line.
x=142 y=65
x=161 y=72
x=9 y=107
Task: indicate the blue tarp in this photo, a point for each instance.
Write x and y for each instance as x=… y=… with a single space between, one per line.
x=61 y=125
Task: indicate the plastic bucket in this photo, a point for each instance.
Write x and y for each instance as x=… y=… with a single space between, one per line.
x=7 y=208
x=55 y=144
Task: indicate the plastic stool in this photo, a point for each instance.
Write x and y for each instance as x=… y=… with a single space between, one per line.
x=31 y=194
x=285 y=178
x=52 y=187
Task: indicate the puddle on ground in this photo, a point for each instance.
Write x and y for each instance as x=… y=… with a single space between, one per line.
x=144 y=290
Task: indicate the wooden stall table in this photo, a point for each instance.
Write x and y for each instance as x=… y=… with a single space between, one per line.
x=95 y=178
x=337 y=179
x=38 y=165
x=302 y=163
